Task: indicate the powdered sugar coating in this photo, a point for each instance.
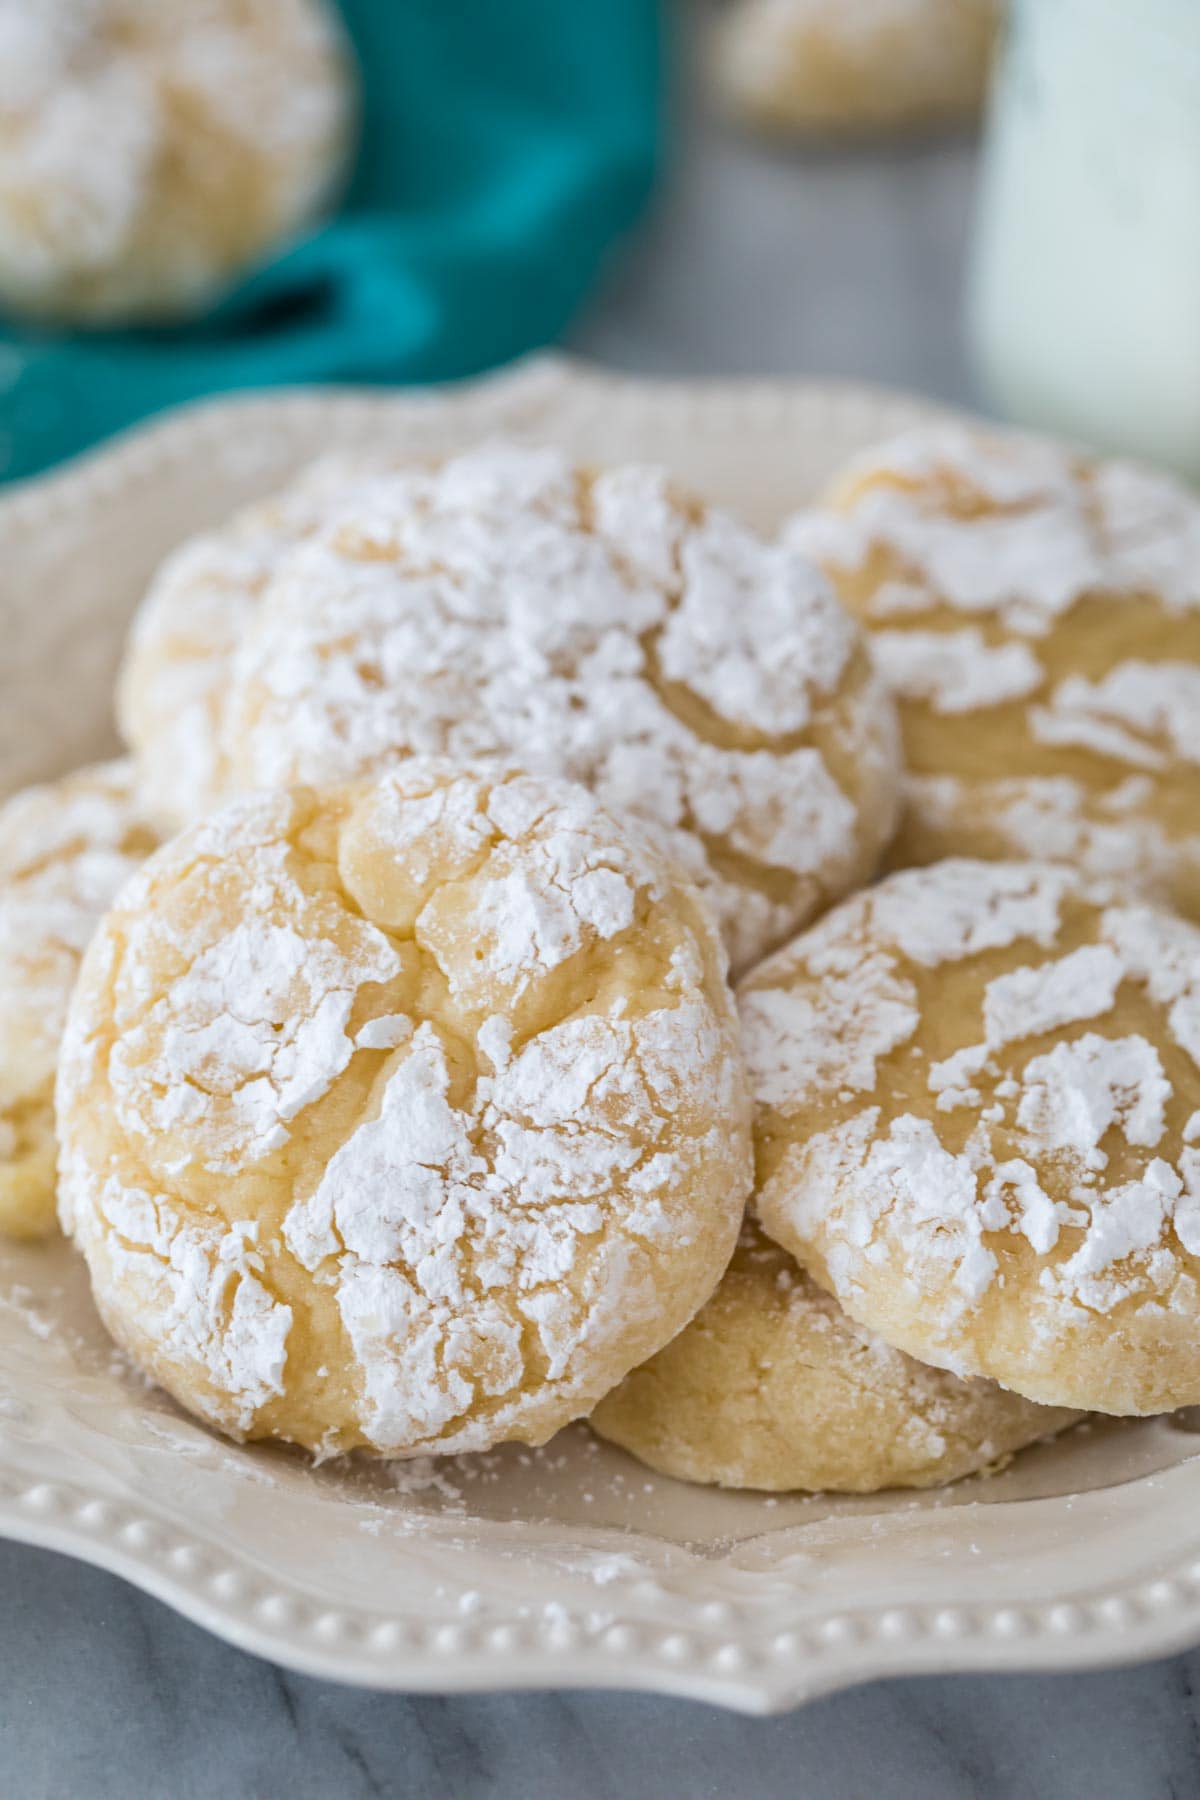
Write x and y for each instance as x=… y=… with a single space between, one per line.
x=65 y=850
x=773 y=1386
x=596 y=626
x=954 y=671
x=1005 y=1187
x=407 y=1115
x=1038 y=618
x=178 y=659
x=149 y=150
x=1144 y=714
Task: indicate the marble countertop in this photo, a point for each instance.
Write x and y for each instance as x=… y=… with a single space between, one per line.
x=755 y=262
x=108 y=1696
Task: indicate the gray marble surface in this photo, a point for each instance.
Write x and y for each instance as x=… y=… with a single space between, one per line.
x=756 y=262
x=108 y=1696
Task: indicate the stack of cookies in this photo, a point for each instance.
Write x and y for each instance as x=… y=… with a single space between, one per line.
x=401 y=1099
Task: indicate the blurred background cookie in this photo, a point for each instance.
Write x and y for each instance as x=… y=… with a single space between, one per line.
x=834 y=68
x=150 y=150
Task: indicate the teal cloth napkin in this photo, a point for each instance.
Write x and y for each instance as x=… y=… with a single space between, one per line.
x=505 y=145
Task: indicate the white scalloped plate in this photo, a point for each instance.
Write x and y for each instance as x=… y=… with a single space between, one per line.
x=572 y=1565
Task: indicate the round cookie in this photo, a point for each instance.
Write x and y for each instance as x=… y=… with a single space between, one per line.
x=407 y=1116
x=837 y=68
x=175 y=673
x=1038 y=619
x=65 y=849
x=978 y=1093
x=149 y=152
x=772 y=1386
x=598 y=626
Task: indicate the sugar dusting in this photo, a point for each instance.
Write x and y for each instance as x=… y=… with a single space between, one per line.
x=489 y=1248
x=66 y=849
x=994 y=541
x=598 y=627
x=1047 y=1115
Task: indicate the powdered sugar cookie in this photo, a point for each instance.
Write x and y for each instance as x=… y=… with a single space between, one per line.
x=595 y=626
x=175 y=673
x=149 y=152
x=979 y=1127
x=407 y=1116
x=1038 y=619
x=65 y=849
x=848 y=67
x=773 y=1386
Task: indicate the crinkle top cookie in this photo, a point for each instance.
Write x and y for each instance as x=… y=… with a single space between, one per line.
x=66 y=847
x=407 y=1116
x=773 y=1386
x=1038 y=618
x=149 y=149
x=175 y=673
x=598 y=626
x=978 y=1088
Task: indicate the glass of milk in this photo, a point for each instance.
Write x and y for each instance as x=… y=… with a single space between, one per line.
x=1084 y=302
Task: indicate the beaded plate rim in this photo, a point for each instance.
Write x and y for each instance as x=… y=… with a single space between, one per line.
x=715 y=1654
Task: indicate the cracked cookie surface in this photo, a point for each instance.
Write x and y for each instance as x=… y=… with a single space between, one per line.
x=66 y=847
x=407 y=1115
x=1038 y=618
x=978 y=1125
x=773 y=1386
x=598 y=626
